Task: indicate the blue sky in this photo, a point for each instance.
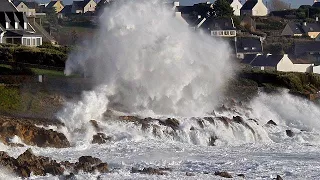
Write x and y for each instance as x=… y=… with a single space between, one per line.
x=294 y=3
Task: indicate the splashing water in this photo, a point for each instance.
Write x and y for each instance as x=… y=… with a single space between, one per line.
x=153 y=62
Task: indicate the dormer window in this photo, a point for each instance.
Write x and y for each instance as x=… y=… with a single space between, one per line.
x=16 y=25
x=245 y=48
x=7 y=25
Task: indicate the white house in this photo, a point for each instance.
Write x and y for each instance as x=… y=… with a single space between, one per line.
x=222 y=27
x=236 y=5
x=15 y=28
x=254 y=8
x=280 y=63
x=83 y=6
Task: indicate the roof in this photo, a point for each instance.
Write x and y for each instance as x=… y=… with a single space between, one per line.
x=6 y=6
x=267 y=60
x=304 y=28
x=248 y=58
x=52 y=3
x=249 y=5
x=213 y=23
x=295 y=28
x=248 y=45
x=316 y=4
x=66 y=9
x=30 y=5
x=311 y=27
x=301 y=48
x=13 y=17
x=185 y=9
x=19 y=33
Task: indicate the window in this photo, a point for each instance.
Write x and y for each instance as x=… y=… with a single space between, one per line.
x=7 y=25
x=16 y=25
x=38 y=41
x=245 y=48
x=232 y=33
x=28 y=41
x=216 y=25
x=34 y=42
x=24 y=41
x=253 y=48
x=25 y=25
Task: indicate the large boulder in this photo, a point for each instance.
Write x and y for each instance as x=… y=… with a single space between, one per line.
x=223 y=174
x=171 y=122
x=100 y=138
x=31 y=134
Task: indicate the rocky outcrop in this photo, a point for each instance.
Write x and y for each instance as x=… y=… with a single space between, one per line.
x=223 y=174
x=271 y=122
x=31 y=134
x=28 y=163
x=289 y=133
x=151 y=171
x=100 y=138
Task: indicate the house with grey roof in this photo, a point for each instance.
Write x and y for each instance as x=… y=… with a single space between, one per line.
x=15 y=28
x=293 y=29
x=280 y=63
x=221 y=27
x=80 y=7
x=29 y=8
x=254 y=8
x=245 y=46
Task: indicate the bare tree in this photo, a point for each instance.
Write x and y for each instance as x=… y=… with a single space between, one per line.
x=277 y=5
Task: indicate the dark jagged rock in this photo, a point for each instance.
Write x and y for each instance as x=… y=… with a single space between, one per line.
x=241 y=175
x=289 y=133
x=212 y=140
x=192 y=128
x=95 y=125
x=279 y=177
x=271 y=122
x=31 y=134
x=171 y=122
x=102 y=168
x=225 y=120
x=201 y=123
x=28 y=163
x=89 y=159
x=190 y=174
x=238 y=119
x=210 y=119
x=223 y=174
x=100 y=138
x=149 y=170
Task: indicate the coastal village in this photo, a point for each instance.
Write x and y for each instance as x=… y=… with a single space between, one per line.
x=261 y=37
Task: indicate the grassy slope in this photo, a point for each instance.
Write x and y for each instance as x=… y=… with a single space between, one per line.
x=6 y=69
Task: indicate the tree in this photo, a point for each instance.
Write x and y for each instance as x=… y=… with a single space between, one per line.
x=222 y=8
x=278 y=5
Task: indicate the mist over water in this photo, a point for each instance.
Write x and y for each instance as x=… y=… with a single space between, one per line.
x=147 y=63
x=152 y=62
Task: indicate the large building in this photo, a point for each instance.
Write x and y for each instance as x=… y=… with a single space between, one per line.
x=15 y=28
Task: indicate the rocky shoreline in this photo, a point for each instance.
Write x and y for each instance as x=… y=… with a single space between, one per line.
x=32 y=133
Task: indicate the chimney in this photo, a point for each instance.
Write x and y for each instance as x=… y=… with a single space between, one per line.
x=199 y=16
x=176 y=4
